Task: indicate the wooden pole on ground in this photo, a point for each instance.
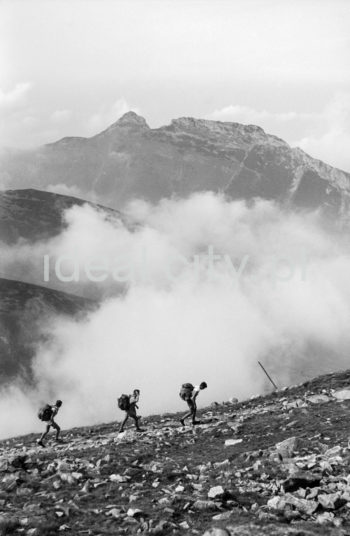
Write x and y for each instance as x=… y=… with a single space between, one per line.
x=269 y=377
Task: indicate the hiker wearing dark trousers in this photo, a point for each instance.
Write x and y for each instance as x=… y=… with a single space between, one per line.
x=130 y=411
x=189 y=393
x=49 y=413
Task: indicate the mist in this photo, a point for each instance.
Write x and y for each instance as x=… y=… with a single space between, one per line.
x=195 y=289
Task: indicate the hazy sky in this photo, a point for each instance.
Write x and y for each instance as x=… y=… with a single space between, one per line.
x=72 y=67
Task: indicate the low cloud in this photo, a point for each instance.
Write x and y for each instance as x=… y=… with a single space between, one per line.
x=279 y=293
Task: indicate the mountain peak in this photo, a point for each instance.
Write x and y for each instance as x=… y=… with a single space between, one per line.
x=131 y=119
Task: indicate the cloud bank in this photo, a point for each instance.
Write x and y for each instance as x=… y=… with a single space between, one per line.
x=219 y=285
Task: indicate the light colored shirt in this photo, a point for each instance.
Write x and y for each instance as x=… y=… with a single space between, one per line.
x=195 y=391
x=134 y=398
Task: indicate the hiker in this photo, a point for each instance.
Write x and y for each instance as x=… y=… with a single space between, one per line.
x=189 y=393
x=47 y=415
x=128 y=403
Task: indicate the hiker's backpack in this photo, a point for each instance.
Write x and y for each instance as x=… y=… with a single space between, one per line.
x=45 y=413
x=186 y=391
x=124 y=402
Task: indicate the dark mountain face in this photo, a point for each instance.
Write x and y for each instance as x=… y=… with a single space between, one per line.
x=35 y=215
x=130 y=160
x=23 y=307
x=29 y=218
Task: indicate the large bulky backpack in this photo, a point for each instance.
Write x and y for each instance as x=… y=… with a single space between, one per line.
x=186 y=391
x=45 y=413
x=124 y=402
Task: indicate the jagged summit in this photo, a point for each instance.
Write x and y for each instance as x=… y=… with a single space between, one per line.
x=192 y=122
x=237 y=134
x=130 y=120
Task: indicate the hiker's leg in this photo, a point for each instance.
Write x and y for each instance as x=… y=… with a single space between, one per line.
x=194 y=411
x=136 y=419
x=190 y=405
x=121 y=429
x=57 y=428
x=44 y=434
x=132 y=414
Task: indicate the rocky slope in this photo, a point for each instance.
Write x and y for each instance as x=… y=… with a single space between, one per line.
x=23 y=307
x=129 y=160
x=275 y=465
x=37 y=215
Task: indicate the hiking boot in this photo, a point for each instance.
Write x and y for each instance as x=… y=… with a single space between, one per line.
x=59 y=440
x=196 y=422
x=40 y=443
x=140 y=430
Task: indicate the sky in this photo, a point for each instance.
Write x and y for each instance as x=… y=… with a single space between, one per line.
x=73 y=67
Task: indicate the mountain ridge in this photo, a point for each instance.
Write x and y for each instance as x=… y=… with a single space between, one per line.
x=35 y=215
x=131 y=160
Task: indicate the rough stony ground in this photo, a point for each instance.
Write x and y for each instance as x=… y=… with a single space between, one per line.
x=275 y=465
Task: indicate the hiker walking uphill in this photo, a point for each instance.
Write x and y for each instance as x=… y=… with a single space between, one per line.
x=189 y=393
x=47 y=415
x=128 y=403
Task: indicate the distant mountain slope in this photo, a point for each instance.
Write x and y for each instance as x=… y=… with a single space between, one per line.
x=36 y=215
x=129 y=160
x=22 y=307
